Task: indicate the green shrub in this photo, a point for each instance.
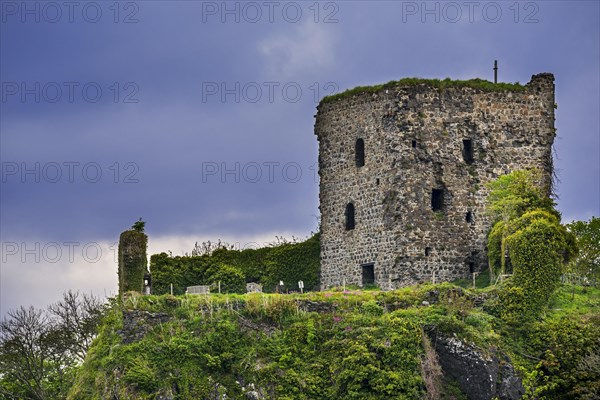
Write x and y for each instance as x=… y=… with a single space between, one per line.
x=287 y=262
x=537 y=254
x=372 y=308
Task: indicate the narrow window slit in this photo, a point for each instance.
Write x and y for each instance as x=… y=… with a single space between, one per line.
x=360 y=153
x=349 y=216
x=468 y=151
x=437 y=199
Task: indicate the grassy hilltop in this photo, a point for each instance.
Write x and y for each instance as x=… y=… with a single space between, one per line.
x=332 y=345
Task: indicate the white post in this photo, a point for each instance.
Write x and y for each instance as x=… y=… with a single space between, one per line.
x=433 y=278
x=344 y=283
x=219 y=287
x=171 y=289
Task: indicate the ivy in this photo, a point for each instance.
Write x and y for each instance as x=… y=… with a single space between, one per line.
x=132 y=260
x=287 y=262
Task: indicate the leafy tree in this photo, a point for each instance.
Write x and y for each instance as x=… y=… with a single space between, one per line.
x=76 y=318
x=41 y=349
x=514 y=194
x=528 y=231
x=25 y=351
x=587 y=262
x=510 y=197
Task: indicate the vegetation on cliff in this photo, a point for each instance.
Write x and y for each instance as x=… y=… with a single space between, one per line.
x=332 y=345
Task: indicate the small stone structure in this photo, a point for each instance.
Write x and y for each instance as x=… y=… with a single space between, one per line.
x=253 y=287
x=200 y=289
x=403 y=173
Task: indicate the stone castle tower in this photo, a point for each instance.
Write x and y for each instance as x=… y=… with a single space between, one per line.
x=404 y=169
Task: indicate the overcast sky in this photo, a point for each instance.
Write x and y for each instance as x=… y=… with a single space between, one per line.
x=198 y=116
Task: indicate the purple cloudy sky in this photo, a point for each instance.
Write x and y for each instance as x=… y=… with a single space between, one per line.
x=198 y=116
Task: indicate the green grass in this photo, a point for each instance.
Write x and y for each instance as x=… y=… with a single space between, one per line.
x=575 y=300
x=476 y=83
x=481 y=281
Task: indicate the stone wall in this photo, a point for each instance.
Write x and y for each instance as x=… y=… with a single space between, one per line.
x=413 y=143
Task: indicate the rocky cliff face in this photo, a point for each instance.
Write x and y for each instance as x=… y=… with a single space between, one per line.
x=481 y=376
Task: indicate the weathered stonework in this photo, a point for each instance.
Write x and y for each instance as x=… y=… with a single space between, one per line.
x=414 y=141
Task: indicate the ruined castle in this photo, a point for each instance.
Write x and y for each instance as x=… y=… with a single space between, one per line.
x=404 y=168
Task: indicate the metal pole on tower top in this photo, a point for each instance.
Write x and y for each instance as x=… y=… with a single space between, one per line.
x=495 y=71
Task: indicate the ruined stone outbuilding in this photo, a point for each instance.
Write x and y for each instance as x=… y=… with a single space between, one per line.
x=403 y=171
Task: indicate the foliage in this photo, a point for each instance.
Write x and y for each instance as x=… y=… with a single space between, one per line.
x=587 y=262
x=436 y=83
x=527 y=240
x=132 y=260
x=567 y=348
x=511 y=196
x=213 y=341
x=231 y=279
x=514 y=194
x=537 y=253
x=139 y=226
x=538 y=248
x=41 y=349
x=289 y=262
x=358 y=344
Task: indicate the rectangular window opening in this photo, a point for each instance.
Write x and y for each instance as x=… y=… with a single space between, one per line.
x=414 y=144
x=349 y=214
x=427 y=251
x=360 y=153
x=368 y=274
x=468 y=151
x=437 y=199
